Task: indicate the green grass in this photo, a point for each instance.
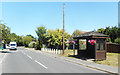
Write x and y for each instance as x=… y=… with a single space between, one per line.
x=112 y=60
x=69 y=52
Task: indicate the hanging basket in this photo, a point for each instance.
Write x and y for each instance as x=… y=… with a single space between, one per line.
x=92 y=42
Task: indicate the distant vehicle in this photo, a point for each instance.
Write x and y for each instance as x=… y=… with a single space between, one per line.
x=13 y=45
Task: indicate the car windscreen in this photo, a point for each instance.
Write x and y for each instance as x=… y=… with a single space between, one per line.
x=12 y=44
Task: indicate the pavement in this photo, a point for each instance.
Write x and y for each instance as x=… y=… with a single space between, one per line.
x=33 y=61
x=1 y=59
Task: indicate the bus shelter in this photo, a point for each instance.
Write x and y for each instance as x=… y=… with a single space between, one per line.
x=94 y=45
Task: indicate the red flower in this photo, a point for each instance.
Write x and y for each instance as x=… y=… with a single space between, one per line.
x=92 y=41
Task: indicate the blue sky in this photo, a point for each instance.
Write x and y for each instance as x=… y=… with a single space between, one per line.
x=24 y=17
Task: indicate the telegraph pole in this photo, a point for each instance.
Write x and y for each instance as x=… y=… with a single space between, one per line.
x=63 y=24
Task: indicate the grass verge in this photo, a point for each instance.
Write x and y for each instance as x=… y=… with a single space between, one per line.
x=69 y=52
x=112 y=60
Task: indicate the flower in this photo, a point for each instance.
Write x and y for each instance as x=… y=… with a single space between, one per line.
x=88 y=40
x=73 y=41
x=92 y=42
x=68 y=42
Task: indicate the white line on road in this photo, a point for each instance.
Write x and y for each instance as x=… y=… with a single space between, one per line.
x=40 y=64
x=29 y=56
x=2 y=59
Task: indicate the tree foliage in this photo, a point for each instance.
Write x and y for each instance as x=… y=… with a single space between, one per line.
x=5 y=33
x=30 y=36
x=55 y=38
x=113 y=33
x=76 y=33
x=117 y=40
x=41 y=32
x=16 y=38
x=26 y=40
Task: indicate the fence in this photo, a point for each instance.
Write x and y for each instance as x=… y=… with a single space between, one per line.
x=111 y=47
x=55 y=51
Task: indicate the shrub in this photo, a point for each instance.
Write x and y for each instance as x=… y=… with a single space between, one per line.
x=37 y=46
x=117 y=40
x=26 y=40
x=31 y=44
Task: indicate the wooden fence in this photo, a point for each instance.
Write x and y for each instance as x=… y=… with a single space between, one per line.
x=114 y=48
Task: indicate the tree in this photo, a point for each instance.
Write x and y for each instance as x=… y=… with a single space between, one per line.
x=16 y=38
x=55 y=38
x=13 y=37
x=5 y=33
x=118 y=32
x=107 y=31
x=76 y=33
x=41 y=32
x=113 y=34
x=101 y=30
x=19 y=40
x=31 y=36
x=117 y=40
x=26 y=40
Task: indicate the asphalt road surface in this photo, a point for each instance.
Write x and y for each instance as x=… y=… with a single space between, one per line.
x=30 y=61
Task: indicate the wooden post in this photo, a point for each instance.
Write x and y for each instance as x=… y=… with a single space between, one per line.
x=63 y=24
x=77 y=46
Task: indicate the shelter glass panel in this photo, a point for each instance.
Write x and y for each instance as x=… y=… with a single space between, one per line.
x=100 y=44
x=82 y=44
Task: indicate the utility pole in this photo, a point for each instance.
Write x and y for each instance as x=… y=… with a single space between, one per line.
x=63 y=24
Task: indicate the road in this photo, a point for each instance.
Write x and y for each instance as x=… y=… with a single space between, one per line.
x=31 y=61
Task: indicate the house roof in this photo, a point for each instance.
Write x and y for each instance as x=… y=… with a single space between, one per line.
x=83 y=32
x=91 y=34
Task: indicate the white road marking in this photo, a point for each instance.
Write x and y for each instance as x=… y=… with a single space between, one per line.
x=29 y=56
x=40 y=64
x=36 y=61
x=2 y=59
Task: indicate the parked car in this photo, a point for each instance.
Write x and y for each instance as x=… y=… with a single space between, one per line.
x=13 y=45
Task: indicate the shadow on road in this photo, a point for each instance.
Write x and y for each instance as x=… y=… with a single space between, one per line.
x=5 y=52
x=79 y=57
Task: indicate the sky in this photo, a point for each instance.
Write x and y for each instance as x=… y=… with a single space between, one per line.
x=24 y=17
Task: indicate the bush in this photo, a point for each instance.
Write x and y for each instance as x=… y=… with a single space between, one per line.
x=108 y=39
x=31 y=44
x=37 y=46
x=26 y=40
x=117 y=40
